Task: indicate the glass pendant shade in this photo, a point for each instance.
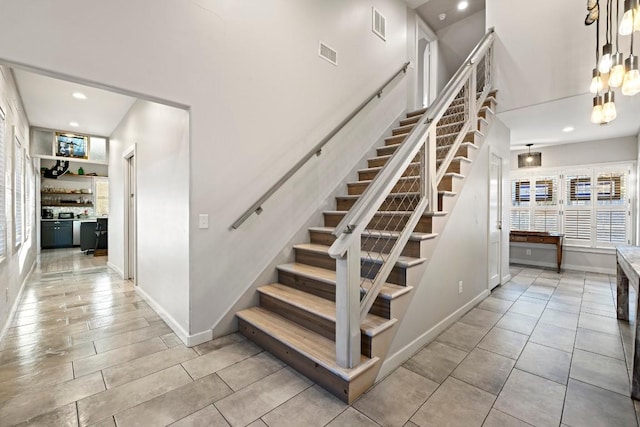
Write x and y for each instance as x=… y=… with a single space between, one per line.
x=631 y=84
x=605 y=60
x=630 y=23
x=596 y=82
x=596 y=112
x=609 y=108
x=616 y=77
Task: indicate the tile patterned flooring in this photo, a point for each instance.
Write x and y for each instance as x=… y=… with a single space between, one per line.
x=545 y=349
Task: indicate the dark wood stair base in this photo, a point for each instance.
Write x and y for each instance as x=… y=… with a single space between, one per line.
x=296 y=318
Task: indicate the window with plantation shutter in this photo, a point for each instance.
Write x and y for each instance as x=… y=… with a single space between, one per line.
x=18 y=200
x=612 y=208
x=545 y=206
x=591 y=206
x=578 y=209
x=3 y=222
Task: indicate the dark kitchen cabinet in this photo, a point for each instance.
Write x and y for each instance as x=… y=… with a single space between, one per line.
x=56 y=234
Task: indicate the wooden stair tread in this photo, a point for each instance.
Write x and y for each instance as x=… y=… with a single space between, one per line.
x=369 y=181
x=392 y=195
x=457 y=158
x=415 y=236
x=463 y=144
x=447 y=193
x=375 y=257
x=387 y=291
x=371 y=326
x=312 y=345
x=455 y=175
x=380 y=168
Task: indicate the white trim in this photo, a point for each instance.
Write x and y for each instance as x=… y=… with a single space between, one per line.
x=394 y=361
x=16 y=303
x=505 y=279
x=126 y=156
x=554 y=266
x=185 y=337
x=567 y=248
x=115 y=268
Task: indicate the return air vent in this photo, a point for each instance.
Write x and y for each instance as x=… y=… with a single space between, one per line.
x=379 y=24
x=328 y=53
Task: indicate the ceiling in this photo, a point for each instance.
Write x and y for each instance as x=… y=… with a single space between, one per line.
x=544 y=64
x=430 y=11
x=49 y=103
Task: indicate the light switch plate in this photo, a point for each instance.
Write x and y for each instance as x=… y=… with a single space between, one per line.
x=203 y=221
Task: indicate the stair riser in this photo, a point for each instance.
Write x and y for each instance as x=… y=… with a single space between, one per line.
x=368 y=269
x=448 y=129
x=310 y=321
x=445 y=202
x=402 y=130
x=411 y=249
x=491 y=103
x=376 y=163
x=345 y=391
x=412 y=170
x=406 y=185
x=394 y=139
x=390 y=204
x=392 y=224
x=410 y=121
x=450 y=183
x=463 y=151
x=381 y=306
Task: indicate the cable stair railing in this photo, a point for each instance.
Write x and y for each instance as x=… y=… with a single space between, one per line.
x=373 y=233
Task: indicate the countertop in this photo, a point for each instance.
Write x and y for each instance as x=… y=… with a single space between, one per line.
x=70 y=219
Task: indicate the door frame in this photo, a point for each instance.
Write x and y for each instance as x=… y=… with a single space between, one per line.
x=129 y=155
x=432 y=49
x=499 y=215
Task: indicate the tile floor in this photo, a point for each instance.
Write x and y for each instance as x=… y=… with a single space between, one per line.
x=84 y=349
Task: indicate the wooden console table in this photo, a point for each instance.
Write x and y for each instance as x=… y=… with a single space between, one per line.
x=628 y=271
x=542 y=237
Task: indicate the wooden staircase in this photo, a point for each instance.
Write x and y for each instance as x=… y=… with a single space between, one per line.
x=296 y=317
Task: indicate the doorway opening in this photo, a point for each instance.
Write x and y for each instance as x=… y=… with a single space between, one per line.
x=426 y=58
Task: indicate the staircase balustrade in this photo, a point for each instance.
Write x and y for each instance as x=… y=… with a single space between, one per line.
x=371 y=237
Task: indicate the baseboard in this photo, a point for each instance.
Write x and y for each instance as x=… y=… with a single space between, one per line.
x=394 y=361
x=115 y=268
x=16 y=303
x=189 y=340
x=554 y=266
x=505 y=279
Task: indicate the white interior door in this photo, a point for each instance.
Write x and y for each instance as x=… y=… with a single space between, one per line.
x=495 y=220
x=130 y=215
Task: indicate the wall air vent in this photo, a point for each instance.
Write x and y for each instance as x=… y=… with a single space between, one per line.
x=379 y=24
x=328 y=53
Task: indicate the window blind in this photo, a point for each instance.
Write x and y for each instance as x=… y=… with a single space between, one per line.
x=17 y=191
x=3 y=222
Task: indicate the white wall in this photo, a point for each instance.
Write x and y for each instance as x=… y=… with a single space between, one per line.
x=259 y=99
x=461 y=254
x=623 y=149
x=457 y=40
x=18 y=261
x=161 y=138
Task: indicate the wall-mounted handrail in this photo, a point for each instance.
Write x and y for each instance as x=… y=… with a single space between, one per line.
x=315 y=151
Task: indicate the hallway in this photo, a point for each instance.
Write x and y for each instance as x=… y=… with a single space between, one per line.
x=84 y=349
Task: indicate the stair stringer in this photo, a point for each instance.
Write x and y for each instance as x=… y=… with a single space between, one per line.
x=227 y=323
x=424 y=306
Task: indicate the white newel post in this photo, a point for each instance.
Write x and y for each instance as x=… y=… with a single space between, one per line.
x=348 y=307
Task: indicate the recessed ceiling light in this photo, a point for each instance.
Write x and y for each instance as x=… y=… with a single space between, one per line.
x=568 y=129
x=79 y=95
x=442 y=16
x=74 y=124
x=463 y=5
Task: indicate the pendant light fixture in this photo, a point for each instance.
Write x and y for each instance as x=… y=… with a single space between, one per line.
x=596 y=112
x=605 y=60
x=609 y=108
x=616 y=77
x=631 y=18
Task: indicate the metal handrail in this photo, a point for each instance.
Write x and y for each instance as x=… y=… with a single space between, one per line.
x=315 y=151
x=368 y=203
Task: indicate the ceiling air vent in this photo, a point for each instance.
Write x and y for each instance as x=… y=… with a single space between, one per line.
x=379 y=24
x=328 y=53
